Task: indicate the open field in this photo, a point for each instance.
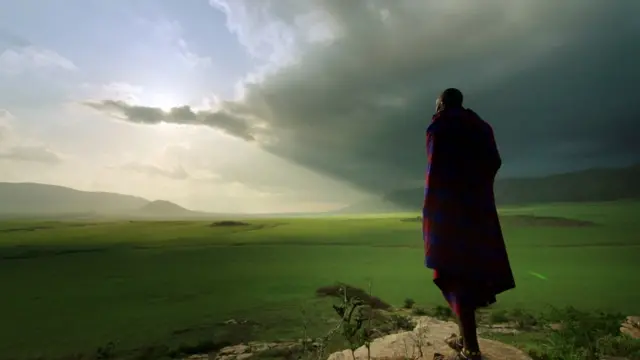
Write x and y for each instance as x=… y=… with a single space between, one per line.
x=70 y=287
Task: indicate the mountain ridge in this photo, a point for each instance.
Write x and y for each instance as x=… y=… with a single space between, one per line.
x=38 y=198
x=589 y=185
x=31 y=199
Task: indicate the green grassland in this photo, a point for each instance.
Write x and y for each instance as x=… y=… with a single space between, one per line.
x=70 y=287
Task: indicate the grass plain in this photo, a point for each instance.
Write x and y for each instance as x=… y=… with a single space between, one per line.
x=71 y=287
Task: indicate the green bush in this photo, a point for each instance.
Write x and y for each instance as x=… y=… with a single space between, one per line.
x=442 y=312
x=401 y=322
x=584 y=336
x=522 y=319
x=418 y=311
x=498 y=317
x=408 y=303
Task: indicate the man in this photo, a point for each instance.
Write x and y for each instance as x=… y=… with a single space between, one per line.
x=461 y=230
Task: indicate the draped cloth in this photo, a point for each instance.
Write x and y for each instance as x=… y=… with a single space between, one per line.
x=461 y=231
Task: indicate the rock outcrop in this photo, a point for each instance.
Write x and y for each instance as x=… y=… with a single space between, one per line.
x=245 y=351
x=423 y=341
x=631 y=327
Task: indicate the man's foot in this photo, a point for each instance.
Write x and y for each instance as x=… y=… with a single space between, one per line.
x=470 y=355
x=455 y=342
x=462 y=355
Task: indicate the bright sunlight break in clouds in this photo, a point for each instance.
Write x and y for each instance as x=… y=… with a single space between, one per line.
x=274 y=106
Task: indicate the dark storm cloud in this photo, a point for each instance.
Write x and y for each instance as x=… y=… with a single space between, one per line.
x=556 y=80
x=230 y=123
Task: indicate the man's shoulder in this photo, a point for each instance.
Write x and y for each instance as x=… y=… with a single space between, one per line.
x=435 y=128
x=479 y=122
x=474 y=115
x=445 y=122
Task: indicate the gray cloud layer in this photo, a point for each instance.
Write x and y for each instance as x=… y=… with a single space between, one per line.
x=556 y=79
x=38 y=154
x=177 y=173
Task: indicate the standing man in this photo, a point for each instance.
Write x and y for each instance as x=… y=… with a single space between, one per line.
x=461 y=230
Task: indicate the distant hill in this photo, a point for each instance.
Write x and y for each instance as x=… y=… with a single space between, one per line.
x=32 y=199
x=44 y=199
x=580 y=186
x=166 y=209
x=371 y=206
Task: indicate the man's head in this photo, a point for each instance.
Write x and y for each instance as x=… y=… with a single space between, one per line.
x=450 y=98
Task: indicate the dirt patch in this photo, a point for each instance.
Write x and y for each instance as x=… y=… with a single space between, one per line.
x=351 y=292
x=533 y=220
x=264 y=226
x=239 y=226
x=44 y=227
x=413 y=219
x=32 y=228
x=174 y=222
x=40 y=253
x=224 y=223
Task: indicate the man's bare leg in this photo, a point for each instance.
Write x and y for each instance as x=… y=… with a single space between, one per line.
x=468 y=328
x=466 y=344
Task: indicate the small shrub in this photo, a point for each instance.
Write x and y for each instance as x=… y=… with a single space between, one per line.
x=401 y=322
x=622 y=346
x=418 y=311
x=160 y=352
x=352 y=292
x=522 y=319
x=106 y=352
x=408 y=303
x=355 y=322
x=584 y=336
x=498 y=317
x=442 y=312
x=200 y=347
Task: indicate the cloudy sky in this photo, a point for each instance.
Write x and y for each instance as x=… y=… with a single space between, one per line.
x=285 y=105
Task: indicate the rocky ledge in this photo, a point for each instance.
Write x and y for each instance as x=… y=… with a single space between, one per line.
x=423 y=341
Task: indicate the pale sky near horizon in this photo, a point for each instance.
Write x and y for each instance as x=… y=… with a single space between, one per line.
x=295 y=105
